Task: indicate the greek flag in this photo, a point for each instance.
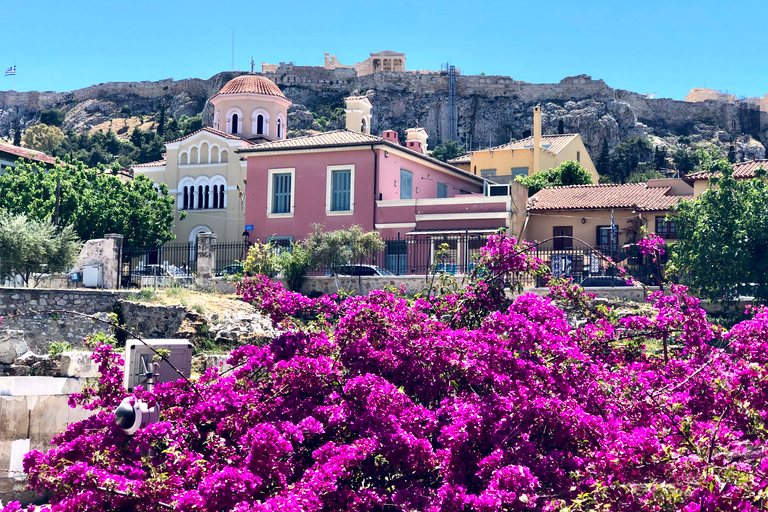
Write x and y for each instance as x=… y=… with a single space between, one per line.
x=11 y=71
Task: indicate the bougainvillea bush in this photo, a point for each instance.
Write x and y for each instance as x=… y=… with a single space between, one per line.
x=383 y=402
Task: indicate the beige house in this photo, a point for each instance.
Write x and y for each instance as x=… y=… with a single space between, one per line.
x=743 y=171
x=585 y=211
x=203 y=170
x=527 y=156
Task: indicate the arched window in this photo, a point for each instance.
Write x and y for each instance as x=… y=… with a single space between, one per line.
x=204 y=151
x=224 y=156
x=193 y=159
x=184 y=158
x=363 y=126
x=200 y=197
x=207 y=195
x=234 y=124
x=215 y=197
x=186 y=198
x=216 y=120
x=260 y=124
x=214 y=154
x=221 y=197
x=279 y=128
x=192 y=197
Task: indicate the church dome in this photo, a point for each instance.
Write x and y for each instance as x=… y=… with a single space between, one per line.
x=251 y=84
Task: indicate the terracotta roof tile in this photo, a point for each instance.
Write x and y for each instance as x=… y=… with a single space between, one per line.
x=30 y=154
x=551 y=143
x=638 y=196
x=210 y=130
x=345 y=138
x=253 y=84
x=157 y=163
x=742 y=170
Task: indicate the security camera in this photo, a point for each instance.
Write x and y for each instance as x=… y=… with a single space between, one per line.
x=143 y=368
x=132 y=417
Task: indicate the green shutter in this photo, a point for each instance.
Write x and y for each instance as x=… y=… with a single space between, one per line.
x=281 y=192
x=341 y=187
x=406 y=184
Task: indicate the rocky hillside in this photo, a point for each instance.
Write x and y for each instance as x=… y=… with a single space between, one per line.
x=491 y=109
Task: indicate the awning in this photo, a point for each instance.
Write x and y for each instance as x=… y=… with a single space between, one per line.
x=474 y=231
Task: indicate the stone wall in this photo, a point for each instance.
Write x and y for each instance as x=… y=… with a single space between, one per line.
x=28 y=310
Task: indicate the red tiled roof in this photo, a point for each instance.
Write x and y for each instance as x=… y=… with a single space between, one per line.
x=252 y=84
x=345 y=138
x=638 y=196
x=157 y=163
x=551 y=143
x=26 y=153
x=742 y=170
x=210 y=130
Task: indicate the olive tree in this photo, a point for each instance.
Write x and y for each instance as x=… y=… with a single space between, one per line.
x=30 y=248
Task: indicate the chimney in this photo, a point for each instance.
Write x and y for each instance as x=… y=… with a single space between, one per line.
x=415 y=145
x=536 y=138
x=419 y=135
x=391 y=136
x=358 y=110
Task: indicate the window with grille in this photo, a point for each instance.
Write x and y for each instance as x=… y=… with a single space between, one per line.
x=281 y=193
x=341 y=187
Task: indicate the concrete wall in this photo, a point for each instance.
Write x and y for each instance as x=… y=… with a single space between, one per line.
x=32 y=411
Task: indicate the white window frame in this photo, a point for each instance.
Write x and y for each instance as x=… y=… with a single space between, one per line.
x=270 y=181
x=329 y=190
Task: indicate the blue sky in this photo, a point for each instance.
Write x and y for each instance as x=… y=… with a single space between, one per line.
x=663 y=47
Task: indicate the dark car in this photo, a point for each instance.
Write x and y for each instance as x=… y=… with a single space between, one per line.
x=607 y=281
x=362 y=270
x=230 y=270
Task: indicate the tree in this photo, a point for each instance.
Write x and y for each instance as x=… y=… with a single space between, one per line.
x=333 y=249
x=723 y=237
x=126 y=111
x=660 y=157
x=448 y=150
x=29 y=247
x=567 y=173
x=52 y=117
x=604 y=163
x=627 y=155
x=93 y=201
x=645 y=171
x=17 y=135
x=161 y=122
x=42 y=138
x=685 y=161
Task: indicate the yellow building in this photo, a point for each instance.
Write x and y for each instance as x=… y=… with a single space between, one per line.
x=741 y=171
x=203 y=170
x=527 y=156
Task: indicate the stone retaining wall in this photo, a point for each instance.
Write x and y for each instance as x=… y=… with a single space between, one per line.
x=29 y=310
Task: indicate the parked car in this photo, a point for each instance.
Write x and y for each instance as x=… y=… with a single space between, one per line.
x=362 y=270
x=230 y=270
x=156 y=275
x=594 y=281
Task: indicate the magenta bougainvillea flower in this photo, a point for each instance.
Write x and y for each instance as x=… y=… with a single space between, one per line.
x=468 y=401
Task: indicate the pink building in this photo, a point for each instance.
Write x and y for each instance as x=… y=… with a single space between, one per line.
x=348 y=177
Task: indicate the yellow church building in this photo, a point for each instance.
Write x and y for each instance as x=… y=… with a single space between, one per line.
x=527 y=156
x=204 y=171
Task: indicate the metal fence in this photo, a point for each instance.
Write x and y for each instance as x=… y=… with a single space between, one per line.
x=165 y=265
x=229 y=254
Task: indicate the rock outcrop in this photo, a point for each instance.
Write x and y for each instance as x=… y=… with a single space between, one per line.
x=491 y=109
